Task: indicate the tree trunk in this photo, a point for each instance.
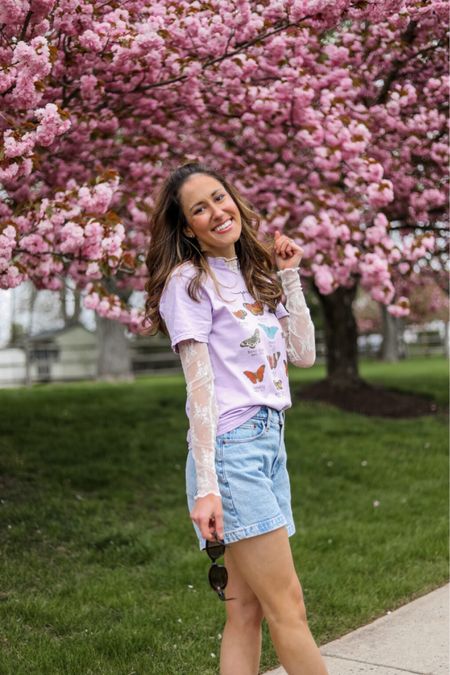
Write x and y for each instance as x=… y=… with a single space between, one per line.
x=76 y=305
x=63 y=304
x=114 y=362
x=28 y=334
x=446 y=340
x=27 y=350
x=341 y=337
x=73 y=295
x=390 y=344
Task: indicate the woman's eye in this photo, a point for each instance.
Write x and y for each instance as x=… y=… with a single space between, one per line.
x=218 y=197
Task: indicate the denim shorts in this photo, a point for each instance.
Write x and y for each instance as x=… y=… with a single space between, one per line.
x=252 y=476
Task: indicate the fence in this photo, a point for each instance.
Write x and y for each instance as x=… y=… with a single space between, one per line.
x=154 y=355
x=147 y=358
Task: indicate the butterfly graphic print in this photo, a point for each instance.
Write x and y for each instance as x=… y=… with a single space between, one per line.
x=273 y=359
x=270 y=331
x=256 y=376
x=251 y=341
x=243 y=337
x=256 y=308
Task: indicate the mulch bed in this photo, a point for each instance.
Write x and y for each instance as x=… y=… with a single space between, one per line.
x=367 y=399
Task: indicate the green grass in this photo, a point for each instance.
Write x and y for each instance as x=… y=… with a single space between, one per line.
x=100 y=566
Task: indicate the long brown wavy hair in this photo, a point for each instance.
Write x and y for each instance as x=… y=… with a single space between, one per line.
x=170 y=247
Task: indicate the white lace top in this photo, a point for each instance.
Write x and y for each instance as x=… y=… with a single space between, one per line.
x=299 y=337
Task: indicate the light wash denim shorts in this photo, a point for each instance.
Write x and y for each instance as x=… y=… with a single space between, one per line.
x=253 y=478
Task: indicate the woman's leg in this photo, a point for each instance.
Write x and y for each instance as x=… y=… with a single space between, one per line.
x=266 y=564
x=240 y=650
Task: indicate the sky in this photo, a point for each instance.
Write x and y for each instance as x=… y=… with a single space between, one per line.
x=45 y=316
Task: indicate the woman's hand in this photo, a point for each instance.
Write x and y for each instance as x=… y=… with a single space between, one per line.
x=287 y=254
x=207 y=514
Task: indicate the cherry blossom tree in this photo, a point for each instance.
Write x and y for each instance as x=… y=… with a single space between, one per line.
x=331 y=117
x=428 y=296
x=425 y=299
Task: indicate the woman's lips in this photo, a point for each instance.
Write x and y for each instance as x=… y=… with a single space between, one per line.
x=226 y=229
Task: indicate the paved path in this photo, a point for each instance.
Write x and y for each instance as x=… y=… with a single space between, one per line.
x=411 y=639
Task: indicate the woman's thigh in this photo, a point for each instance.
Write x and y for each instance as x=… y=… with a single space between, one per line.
x=267 y=566
x=246 y=606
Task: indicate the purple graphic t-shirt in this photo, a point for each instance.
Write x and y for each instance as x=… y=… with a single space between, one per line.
x=245 y=340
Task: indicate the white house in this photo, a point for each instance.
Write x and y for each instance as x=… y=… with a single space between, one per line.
x=57 y=355
x=71 y=353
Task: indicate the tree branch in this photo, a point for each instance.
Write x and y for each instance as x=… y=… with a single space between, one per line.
x=413 y=226
x=25 y=25
x=223 y=57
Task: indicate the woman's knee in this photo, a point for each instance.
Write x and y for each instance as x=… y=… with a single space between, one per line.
x=287 y=606
x=268 y=566
x=245 y=613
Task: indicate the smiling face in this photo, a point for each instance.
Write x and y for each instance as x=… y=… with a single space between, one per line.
x=206 y=205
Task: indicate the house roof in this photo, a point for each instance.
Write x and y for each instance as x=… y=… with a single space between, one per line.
x=48 y=335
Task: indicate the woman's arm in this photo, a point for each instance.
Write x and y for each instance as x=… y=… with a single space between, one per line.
x=203 y=413
x=298 y=327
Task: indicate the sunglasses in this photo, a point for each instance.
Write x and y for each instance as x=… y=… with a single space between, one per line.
x=218 y=575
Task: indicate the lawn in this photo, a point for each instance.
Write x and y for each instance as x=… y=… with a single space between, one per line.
x=100 y=566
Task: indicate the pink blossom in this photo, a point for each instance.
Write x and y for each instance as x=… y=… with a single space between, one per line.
x=88 y=86
x=72 y=237
x=394 y=256
x=34 y=243
x=380 y=194
x=310 y=227
x=9 y=173
x=12 y=11
x=11 y=278
x=91 y=41
x=42 y=7
x=375 y=234
x=14 y=147
x=92 y=114
x=9 y=232
x=112 y=245
x=324 y=279
x=51 y=124
x=428 y=241
x=384 y=293
x=351 y=254
x=7 y=242
x=380 y=220
x=6 y=79
x=91 y=301
x=96 y=200
x=33 y=57
x=109 y=308
x=399 y=308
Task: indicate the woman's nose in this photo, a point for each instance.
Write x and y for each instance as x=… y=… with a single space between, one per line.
x=217 y=210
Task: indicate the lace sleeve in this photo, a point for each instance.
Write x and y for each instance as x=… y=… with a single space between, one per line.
x=203 y=413
x=298 y=327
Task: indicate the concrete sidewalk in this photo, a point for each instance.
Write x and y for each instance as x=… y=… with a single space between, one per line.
x=411 y=639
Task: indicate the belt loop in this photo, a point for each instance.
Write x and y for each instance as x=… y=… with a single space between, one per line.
x=268 y=418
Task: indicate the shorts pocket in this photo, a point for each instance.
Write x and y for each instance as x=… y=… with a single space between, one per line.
x=247 y=432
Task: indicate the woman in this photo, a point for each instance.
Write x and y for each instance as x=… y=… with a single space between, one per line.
x=214 y=291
